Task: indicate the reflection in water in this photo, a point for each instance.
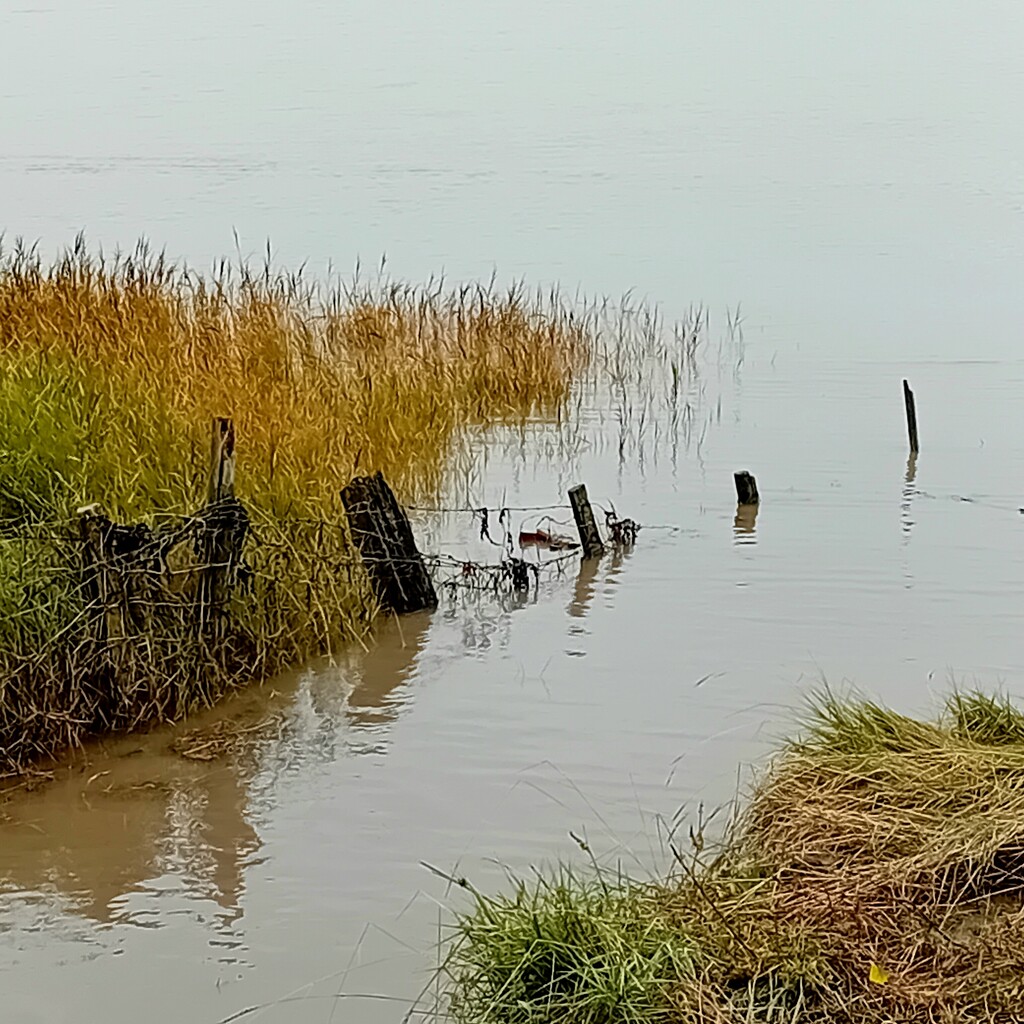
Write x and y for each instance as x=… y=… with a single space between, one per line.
x=744 y=526
x=224 y=838
x=909 y=492
x=589 y=579
x=484 y=617
x=131 y=822
x=385 y=667
x=617 y=562
x=583 y=590
x=109 y=825
x=344 y=706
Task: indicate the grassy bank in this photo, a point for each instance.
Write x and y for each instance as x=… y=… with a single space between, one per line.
x=876 y=875
x=110 y=371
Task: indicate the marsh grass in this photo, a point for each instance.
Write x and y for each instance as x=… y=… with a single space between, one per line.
x=876 y=875
x=110 y=371
x=568 y=949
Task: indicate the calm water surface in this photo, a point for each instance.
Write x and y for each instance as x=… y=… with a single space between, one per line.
x=851 y=173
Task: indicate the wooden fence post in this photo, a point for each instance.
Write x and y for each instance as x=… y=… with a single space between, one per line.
x=381 y=531
x=102 y=586
x=908 y=400
x=222 y=461
x=590 y=538
x=223 y=526
x=746 y=489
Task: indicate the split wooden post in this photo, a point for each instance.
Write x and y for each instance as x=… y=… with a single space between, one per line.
x=746 y=489
x=590 y=538
x=381 y=531
x=908 y=399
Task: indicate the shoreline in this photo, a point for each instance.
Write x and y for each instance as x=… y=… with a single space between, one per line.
x=875 y=873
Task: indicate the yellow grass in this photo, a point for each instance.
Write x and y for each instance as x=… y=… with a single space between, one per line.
x=110 y=372
x=322 y=381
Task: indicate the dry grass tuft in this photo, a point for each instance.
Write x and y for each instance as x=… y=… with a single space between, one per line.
x=876 y=876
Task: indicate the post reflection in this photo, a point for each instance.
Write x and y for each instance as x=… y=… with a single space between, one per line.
x=379 y=672
x=111 y=827
x=909 y=493
x=593 y=576
x=744 y=525
x=133 y=822
x=584 y=587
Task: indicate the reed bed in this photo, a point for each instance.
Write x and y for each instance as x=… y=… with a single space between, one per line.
x=876 y=875
x=111 y=369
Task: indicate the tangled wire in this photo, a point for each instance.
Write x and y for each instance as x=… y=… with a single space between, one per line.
x=623 y=531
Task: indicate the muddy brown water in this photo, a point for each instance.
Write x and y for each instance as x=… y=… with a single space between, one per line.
x=850 y=172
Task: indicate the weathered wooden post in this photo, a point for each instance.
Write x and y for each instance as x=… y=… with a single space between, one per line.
x=222 y=461
x=746 y=489
x=381 y=531
x=908 y=399
x=224 y=525
x=107 y=614
x=102 y=587
x=590 y=538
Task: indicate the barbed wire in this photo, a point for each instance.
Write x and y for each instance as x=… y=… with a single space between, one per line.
x=143 y=572
x=477 y=509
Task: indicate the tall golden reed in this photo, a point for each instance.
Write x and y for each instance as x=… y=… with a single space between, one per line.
x=110 y=371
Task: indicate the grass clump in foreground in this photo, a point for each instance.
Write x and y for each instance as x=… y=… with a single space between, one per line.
x=569 y=948
x=110 y=372
x=876 y=875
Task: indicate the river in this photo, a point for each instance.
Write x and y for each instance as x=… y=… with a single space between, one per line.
x=851 y=176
